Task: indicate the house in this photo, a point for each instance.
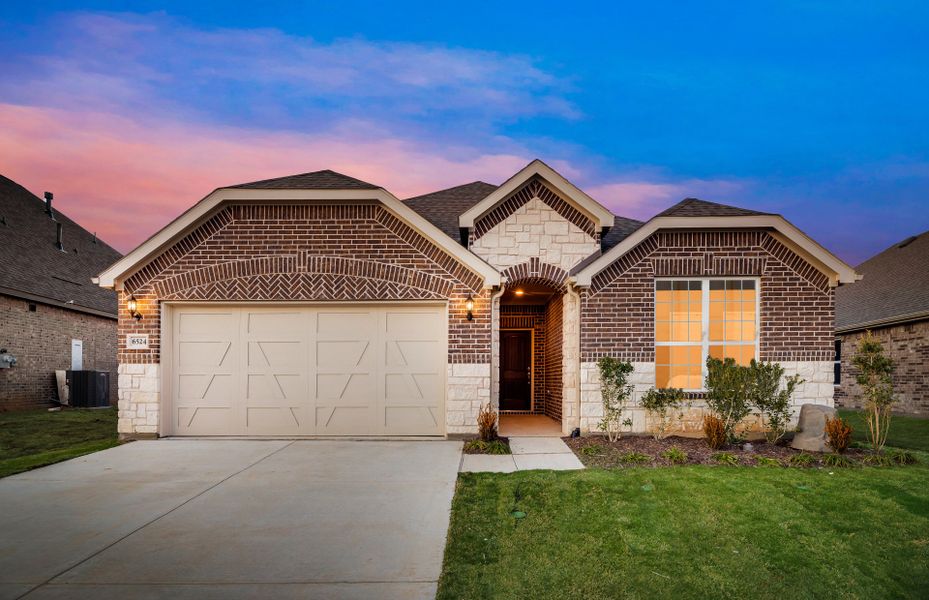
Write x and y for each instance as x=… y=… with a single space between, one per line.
x=892 y=301
x=318 y=304
x=52 y=316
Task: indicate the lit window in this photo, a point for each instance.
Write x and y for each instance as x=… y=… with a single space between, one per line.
x=696 y=318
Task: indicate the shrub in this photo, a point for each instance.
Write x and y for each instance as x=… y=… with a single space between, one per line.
x=487 y=423
x=877 y=460
x=658 y=403
x=901 y=457
x=837 y=460
x=839 y=433
x=715 y=432
x=635 y=458
x=592 y=450
x=726 y=458
x=773 y=403
x=801 y=459
x=675 y=455
x=767 y=461
x=875 y=371
x=615 y=390
x=497 y=446
x=727 y=386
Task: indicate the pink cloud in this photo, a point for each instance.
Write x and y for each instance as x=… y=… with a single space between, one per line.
x=126 y=179
x=641 y=199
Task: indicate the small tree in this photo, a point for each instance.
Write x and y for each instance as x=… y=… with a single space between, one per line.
x=727 y=393
x=772 y=401
x=875 y=371
x=615 y=391
x=659 y=404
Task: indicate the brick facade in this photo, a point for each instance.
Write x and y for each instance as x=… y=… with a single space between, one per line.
x=554 y=340
x=797 y=304
x=41 y=343
x=908 y=346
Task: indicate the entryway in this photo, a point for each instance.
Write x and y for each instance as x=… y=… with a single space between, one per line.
x=529 y=426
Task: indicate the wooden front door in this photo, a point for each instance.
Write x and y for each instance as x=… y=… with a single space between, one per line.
x=515 y=370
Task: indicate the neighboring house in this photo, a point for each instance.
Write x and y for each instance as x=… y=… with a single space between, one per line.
x=52 y=316
x=319 y=304
x=892 y=301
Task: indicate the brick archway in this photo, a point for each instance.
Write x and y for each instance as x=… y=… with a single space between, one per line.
x=536 y=272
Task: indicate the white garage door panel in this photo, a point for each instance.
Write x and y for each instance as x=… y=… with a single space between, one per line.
x=334 y=370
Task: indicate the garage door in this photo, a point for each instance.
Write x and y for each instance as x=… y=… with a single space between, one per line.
x=307 y=370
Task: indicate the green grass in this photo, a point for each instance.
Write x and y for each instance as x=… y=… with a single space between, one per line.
x=691 y=532
x=35 y=438
x=905 y=432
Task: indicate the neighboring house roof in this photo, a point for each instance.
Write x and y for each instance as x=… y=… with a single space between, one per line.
x=443 y=208
x=314 y=180
x=895 y=288
x=694 y=207
x=621 y=229
x=33 y=268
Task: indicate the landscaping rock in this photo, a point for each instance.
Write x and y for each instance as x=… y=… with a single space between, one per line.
x=811 y=429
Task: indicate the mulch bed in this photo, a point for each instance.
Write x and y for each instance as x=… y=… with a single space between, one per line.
x=473 y=450
x=604 y=454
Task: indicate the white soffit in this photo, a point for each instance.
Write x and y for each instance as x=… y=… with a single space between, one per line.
x=822 y=259
x=194 y=216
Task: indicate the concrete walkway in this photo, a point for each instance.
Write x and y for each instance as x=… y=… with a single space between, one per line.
x=528 y=453
x=231 y=519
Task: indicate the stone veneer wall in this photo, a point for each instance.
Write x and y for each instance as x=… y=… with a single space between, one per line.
x=535 y=230
x=816 y=389
x=468 y=388
x=314 y=252
x=908 y=346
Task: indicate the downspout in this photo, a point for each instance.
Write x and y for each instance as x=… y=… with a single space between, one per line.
x=572 y=291
x=495 y=348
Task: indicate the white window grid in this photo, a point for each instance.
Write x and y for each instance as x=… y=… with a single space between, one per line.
x=705 y=342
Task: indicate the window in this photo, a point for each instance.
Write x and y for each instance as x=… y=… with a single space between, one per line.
x=696 y=318
x=837 y=365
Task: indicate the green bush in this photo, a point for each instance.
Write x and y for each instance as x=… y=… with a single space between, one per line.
x=878 y=460
x=675 y=455
x=726 y=458
x=482 y=447
x=837 y=460
x=802 y=459
x=767 y=461
x=615 y=391
x=765 y=393
x=901 y=457
x=592 y=450
x=635 y=458
x=727 y=393
x=659 y=404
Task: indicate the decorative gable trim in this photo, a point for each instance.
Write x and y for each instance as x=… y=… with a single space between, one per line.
x=596 y=212
x=534 y=188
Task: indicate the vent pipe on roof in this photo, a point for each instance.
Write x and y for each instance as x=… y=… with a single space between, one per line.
x=48 y=204
x=95 y=237
x=58 y=243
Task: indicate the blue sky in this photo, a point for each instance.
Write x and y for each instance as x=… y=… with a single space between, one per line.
x=815 y=110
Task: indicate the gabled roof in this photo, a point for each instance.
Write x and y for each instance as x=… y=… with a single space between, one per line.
x=894 y=288
x=283 y=191
x=694 y=207
x=684 y=218
x=443 y=208
x=621 y=229
x=314 y=180
x=33 y=268
x=600 y=215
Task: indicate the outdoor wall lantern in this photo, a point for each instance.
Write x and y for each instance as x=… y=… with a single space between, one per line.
x=133 y=305
x=469 y=305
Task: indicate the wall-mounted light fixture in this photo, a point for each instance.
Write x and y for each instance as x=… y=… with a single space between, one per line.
x=133 y=305
x=519 y=292
x=469 y=305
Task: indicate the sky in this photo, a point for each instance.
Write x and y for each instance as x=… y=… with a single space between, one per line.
x=132 y=112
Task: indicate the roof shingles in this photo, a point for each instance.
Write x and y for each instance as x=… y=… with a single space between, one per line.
x=315 y=180
x=34 y=267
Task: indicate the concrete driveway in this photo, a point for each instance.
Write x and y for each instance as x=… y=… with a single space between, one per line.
x=231 y=519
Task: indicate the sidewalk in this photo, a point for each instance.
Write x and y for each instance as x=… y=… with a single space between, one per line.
x=528 y=453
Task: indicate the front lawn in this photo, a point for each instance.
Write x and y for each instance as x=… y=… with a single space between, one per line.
x=691 y=532
x=35 y=438
x=905 y=432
